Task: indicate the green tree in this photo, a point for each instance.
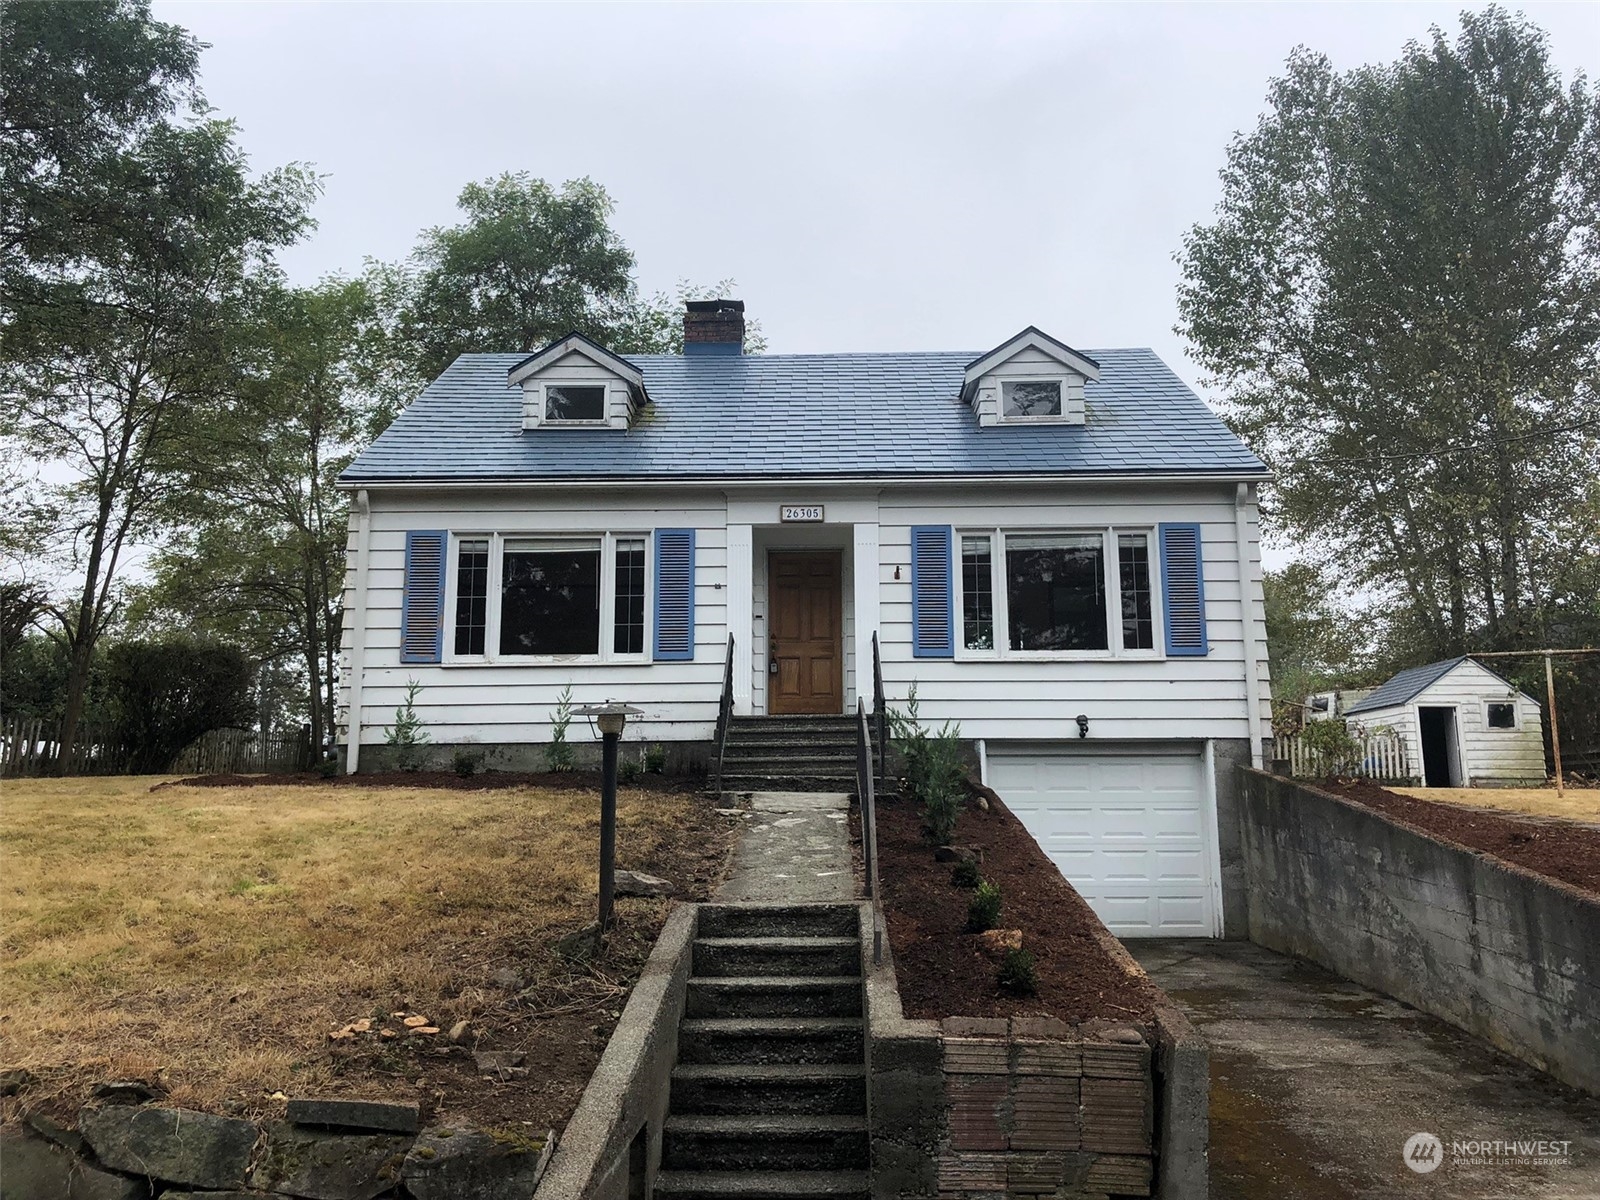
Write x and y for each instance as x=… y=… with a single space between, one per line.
x=113 y=342
x=255 y=552
x=528 y=264
x=166 y=693
x=1400 y=298
x=1313 y=640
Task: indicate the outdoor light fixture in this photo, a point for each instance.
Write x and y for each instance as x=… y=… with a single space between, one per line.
x=612 y=718
x=1083 y=725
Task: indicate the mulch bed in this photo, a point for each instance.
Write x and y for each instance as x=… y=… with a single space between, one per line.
x=940 y=968
x=571 y=781
x=1555 y=849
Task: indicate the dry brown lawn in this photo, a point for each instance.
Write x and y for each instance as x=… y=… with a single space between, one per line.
x=214 y=937
x=1579 y=804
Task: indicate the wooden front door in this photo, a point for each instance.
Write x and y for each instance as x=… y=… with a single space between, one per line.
x=807 y=627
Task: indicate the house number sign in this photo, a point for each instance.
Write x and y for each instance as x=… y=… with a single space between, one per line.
x=800 y=512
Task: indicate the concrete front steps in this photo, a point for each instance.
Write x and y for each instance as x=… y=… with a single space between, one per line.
x=790 y=754
x=769 y=1092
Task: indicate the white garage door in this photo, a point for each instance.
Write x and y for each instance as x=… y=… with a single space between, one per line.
x=1130 y=830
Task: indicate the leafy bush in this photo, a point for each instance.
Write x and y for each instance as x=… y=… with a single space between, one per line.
x=966 y=875
x=984 y=911
x=328 y=768
x=465 y=762
x=655 y=759
x=933 y=767
x=1334 y=749
x=629 y=770
x=407 y=735
x=558 y=753
x=163 y=694
x=1017 y=974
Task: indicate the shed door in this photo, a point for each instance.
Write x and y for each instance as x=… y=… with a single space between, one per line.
x=1129 y=830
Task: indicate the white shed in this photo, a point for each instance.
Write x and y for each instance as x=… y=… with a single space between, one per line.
x=1462 y=725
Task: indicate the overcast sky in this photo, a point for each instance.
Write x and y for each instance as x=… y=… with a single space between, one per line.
x=875 y=178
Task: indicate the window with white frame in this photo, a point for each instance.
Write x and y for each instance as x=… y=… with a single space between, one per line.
x=579 y=403
x=518 y=597
x=1084 y=592
x=1030 y=399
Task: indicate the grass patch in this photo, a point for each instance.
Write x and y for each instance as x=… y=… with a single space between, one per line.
x=216 y=936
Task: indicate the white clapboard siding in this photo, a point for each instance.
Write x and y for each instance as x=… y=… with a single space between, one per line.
x=1489 y=757
x=1154 y=698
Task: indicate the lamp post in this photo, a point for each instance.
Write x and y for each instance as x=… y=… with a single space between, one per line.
x=611 y=718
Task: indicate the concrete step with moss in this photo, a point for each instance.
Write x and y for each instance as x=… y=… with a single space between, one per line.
x=762 y=1185
x=774 y=996
x=779 y=920
x=747 y=956
x=765 y=1142
x=771 y=1040
x=743 y=1089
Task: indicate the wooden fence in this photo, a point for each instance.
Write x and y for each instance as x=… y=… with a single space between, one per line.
x=31 y=747
x=1380 y=756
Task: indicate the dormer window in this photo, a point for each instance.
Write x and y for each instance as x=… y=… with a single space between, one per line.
x=567 y=402
x=1030 y=380
x=1030 y=399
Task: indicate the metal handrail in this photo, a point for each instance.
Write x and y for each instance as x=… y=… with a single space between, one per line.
x=866 y=794
x=880 y=711
x=724 y=718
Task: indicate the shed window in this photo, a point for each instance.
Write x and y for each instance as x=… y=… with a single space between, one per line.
x=1502 y=715
x=1056 y=592
x=550 y=597
x=574 y=402
x=472 y=595
x=1030 y=398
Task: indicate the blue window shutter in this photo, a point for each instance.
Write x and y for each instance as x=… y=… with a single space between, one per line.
x=674 y=619
x=932 y=593
x=422 y=602
x=1183 y=590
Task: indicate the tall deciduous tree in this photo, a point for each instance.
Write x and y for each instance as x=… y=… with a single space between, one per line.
x=256 y=554
x=1400 y=298
x=114 y=341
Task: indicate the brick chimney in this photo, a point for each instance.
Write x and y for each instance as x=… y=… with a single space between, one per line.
x=713 y=327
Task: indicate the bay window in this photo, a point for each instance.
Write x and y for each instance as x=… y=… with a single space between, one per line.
x=524 y=598
x=1069 y=592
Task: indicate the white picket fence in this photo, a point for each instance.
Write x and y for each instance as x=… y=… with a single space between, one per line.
x=1381 y=756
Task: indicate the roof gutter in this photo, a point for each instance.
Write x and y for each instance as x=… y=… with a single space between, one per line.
x=419 y=483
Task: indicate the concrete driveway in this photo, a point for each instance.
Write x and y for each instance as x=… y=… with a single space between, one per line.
x=1318 y=1083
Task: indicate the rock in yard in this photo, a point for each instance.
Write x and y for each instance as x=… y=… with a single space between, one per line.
x=446 y=1164
x=128 y=1091
x=509 y=978
x=580 y=946
x=356 y=1114
x=35 y=1167
x=995 y=942
x=637 y=883
x=458 y=1031
x=955 y=854
x=329 y=1166
x=47 y=1126
x=15 y=1079
x=177 y=1145
x=502 y=1064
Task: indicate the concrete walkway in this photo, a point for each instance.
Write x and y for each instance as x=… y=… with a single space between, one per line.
x=1317 y=1083
x=795 y=849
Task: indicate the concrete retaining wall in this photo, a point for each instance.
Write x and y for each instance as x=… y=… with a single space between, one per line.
x=1507 y=955
x=611 y=1148
x=989 y=1107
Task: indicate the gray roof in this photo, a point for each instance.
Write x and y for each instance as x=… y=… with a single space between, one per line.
x=803 y=416
x=1411 y=682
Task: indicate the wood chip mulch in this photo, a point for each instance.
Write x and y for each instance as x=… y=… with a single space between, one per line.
x=1556 y=849
x=940 y=968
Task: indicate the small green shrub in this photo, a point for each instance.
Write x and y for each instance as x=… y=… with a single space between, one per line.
x=1334 y=749
x=465 y=762
x=558 y=753
x=984 y=911
x=328 y=768
x=655 y=759
x=933 y=768
x=407 y=735
x=629 y=770
x=966 y=875
x=1017 y=974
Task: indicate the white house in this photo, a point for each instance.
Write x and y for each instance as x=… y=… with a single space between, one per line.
x=1462 y=725
x=1058 y=548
